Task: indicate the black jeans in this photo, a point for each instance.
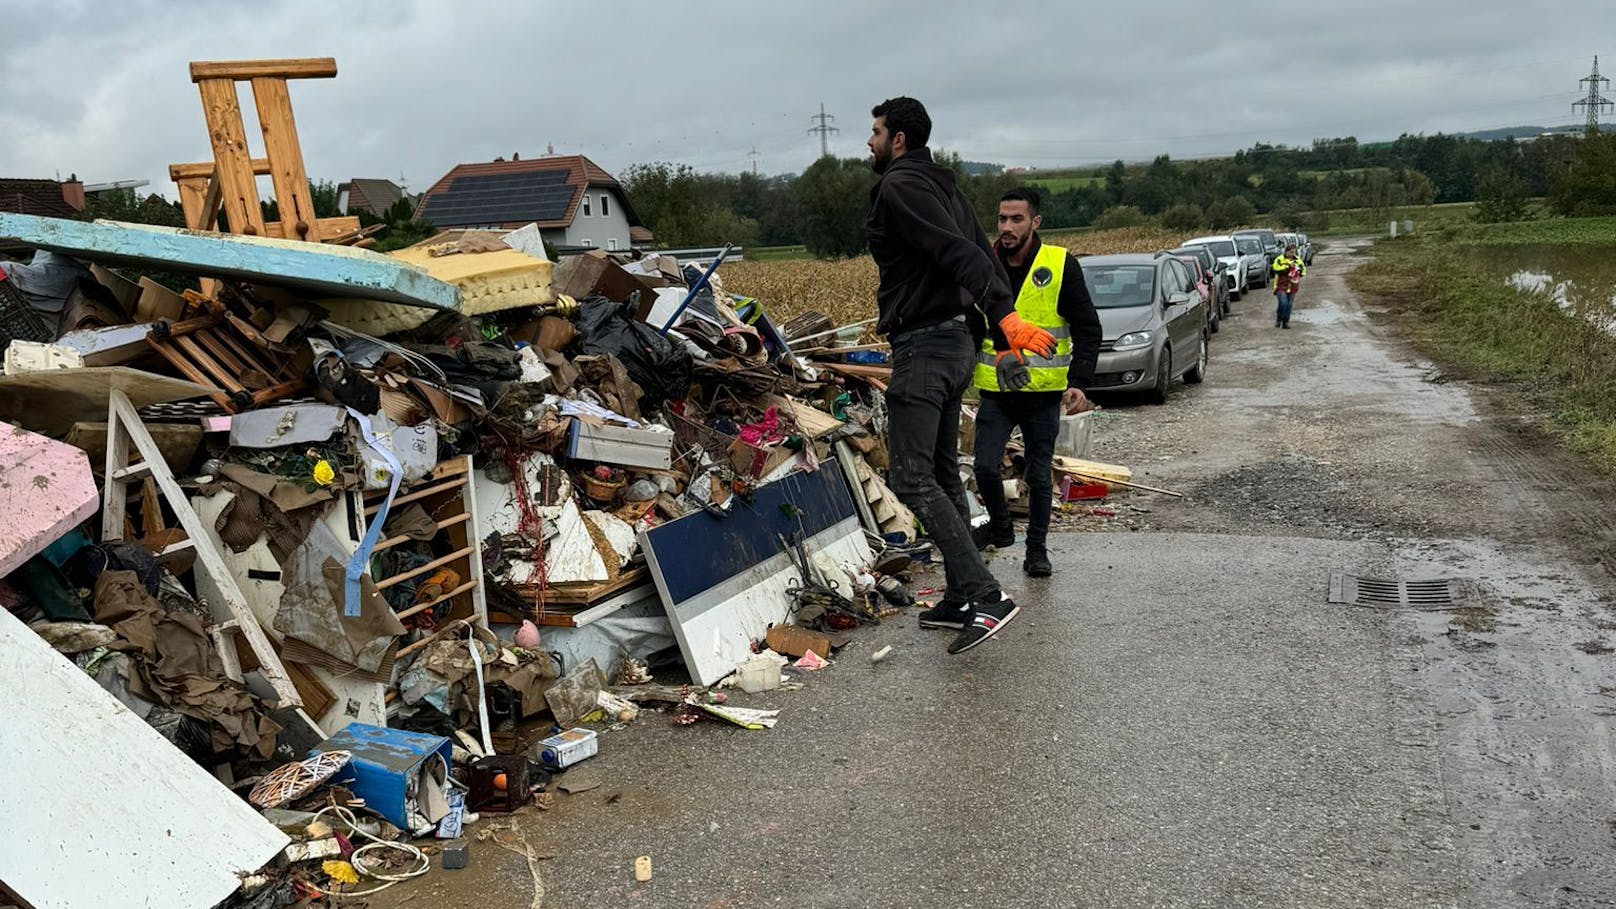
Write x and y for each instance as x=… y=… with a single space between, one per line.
x=930 y=371
x=1038 y=415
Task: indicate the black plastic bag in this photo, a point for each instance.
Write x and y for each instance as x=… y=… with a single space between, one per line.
x=661 y=366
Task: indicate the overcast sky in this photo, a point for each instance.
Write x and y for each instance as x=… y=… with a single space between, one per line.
x=101 y=89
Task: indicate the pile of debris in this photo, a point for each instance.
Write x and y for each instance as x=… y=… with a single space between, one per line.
x=315 y=515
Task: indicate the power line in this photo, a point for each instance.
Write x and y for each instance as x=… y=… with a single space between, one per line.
x=1596 y=103
x=824 y=129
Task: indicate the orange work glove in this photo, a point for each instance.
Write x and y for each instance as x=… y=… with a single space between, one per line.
x=1023 y=335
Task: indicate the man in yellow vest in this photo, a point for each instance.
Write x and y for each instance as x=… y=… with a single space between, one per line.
x=1020 y=388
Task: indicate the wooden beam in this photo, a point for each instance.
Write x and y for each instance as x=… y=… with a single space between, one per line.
x=238 y=193
x=241 y=70
x=329 y=228
x=204 y=169
x=286 y=173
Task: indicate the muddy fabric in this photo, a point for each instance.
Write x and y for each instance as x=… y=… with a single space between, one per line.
x=412 y=522
x=311 y=607
x=286 y=495
x=175 y=665
x=250 y=515
x=75 y=637
x=608 y=376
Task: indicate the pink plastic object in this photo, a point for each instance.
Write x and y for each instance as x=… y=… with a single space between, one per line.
x=50 y=490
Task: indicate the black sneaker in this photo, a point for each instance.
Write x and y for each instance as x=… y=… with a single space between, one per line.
x=1036 y=565
x=990 y=536
x=986 y=622
x=946 y=614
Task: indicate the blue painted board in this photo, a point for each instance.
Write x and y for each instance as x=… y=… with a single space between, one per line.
x=316 y=268
x=699 y=551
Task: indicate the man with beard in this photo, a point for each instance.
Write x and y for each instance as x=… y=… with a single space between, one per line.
x=937 y=272
x=1031 y=391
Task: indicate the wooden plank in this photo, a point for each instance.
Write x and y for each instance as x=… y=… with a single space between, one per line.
x=321 y=270
x=241 y=70
x=114 y=496
x=238 y=194
x=422 y=607
x=131 y=819
x=390 y=542
x=202 y=170
x=330 y=229
x=222 y=353
x=286 y=172
x=420 y=494
x=128 y=427
x=193 y=199
x=395 y=580
x=222 y=377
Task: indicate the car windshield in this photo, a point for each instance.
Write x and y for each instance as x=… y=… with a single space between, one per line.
x=1221 y=248
x=1250 y=245
x=1198 y=253
x=1117 y=286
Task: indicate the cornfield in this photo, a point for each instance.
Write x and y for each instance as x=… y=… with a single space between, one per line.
x=844 y=289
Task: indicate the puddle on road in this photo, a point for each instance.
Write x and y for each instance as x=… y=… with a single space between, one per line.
x=1580 y=280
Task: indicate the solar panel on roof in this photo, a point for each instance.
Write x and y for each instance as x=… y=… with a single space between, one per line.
x=499 y=198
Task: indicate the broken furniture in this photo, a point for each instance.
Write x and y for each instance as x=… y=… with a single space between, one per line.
x=212 y=349
x=229 y=182
x=50 y=490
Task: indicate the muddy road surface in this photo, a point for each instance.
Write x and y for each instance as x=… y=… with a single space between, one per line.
x=1179 y=717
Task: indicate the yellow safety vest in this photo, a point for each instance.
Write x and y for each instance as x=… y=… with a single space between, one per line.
x=1038 y=303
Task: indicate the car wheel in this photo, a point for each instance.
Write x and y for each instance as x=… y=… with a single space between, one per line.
x=1197 y=373
x=1164 y=377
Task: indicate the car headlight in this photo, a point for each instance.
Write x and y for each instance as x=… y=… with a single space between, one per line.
x=1134 y=340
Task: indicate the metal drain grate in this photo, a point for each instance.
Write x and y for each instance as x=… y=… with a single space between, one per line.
x=1443 y=593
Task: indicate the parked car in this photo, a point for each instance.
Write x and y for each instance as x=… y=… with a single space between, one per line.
x=1304 y=249
x=1255 y=258
x=1210 y=281
x=1270 y=242
x=1228 y=255
x=1154 y=323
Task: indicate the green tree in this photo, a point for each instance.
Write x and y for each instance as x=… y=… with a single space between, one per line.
x=833 y=195
x=1500 y=196
x=124 y=205
x=1183 y=216
x=1235 y=211
x=401 y=227
x=684 y=208
x=1588 y=187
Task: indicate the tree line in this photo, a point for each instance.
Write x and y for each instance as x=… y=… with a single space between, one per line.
x=823 y=208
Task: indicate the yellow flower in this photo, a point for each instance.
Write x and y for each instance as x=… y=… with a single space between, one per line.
x=323 y=474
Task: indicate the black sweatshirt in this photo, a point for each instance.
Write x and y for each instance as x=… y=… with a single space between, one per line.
x=934 y=259
x=1076 y=309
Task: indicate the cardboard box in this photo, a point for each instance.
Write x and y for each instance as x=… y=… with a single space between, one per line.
x=157 y=302
x=794 y=640
x=593 y=273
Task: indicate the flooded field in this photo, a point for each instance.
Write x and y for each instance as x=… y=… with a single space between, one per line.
x=1581 y=280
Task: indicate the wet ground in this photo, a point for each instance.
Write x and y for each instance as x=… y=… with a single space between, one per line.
x=1179 y=718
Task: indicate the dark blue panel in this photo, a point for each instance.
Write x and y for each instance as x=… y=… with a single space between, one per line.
x=498 y=198
x=699 y=551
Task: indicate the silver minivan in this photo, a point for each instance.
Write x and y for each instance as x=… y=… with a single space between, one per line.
x=1154 y=324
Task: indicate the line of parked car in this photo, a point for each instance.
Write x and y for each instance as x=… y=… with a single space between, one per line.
x=1159 y=311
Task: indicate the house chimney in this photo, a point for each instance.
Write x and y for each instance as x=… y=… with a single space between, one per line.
x=549 y=149
x=73 y=192
x=516 y=156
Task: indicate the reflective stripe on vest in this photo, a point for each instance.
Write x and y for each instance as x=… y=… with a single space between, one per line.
x=1038 y=303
